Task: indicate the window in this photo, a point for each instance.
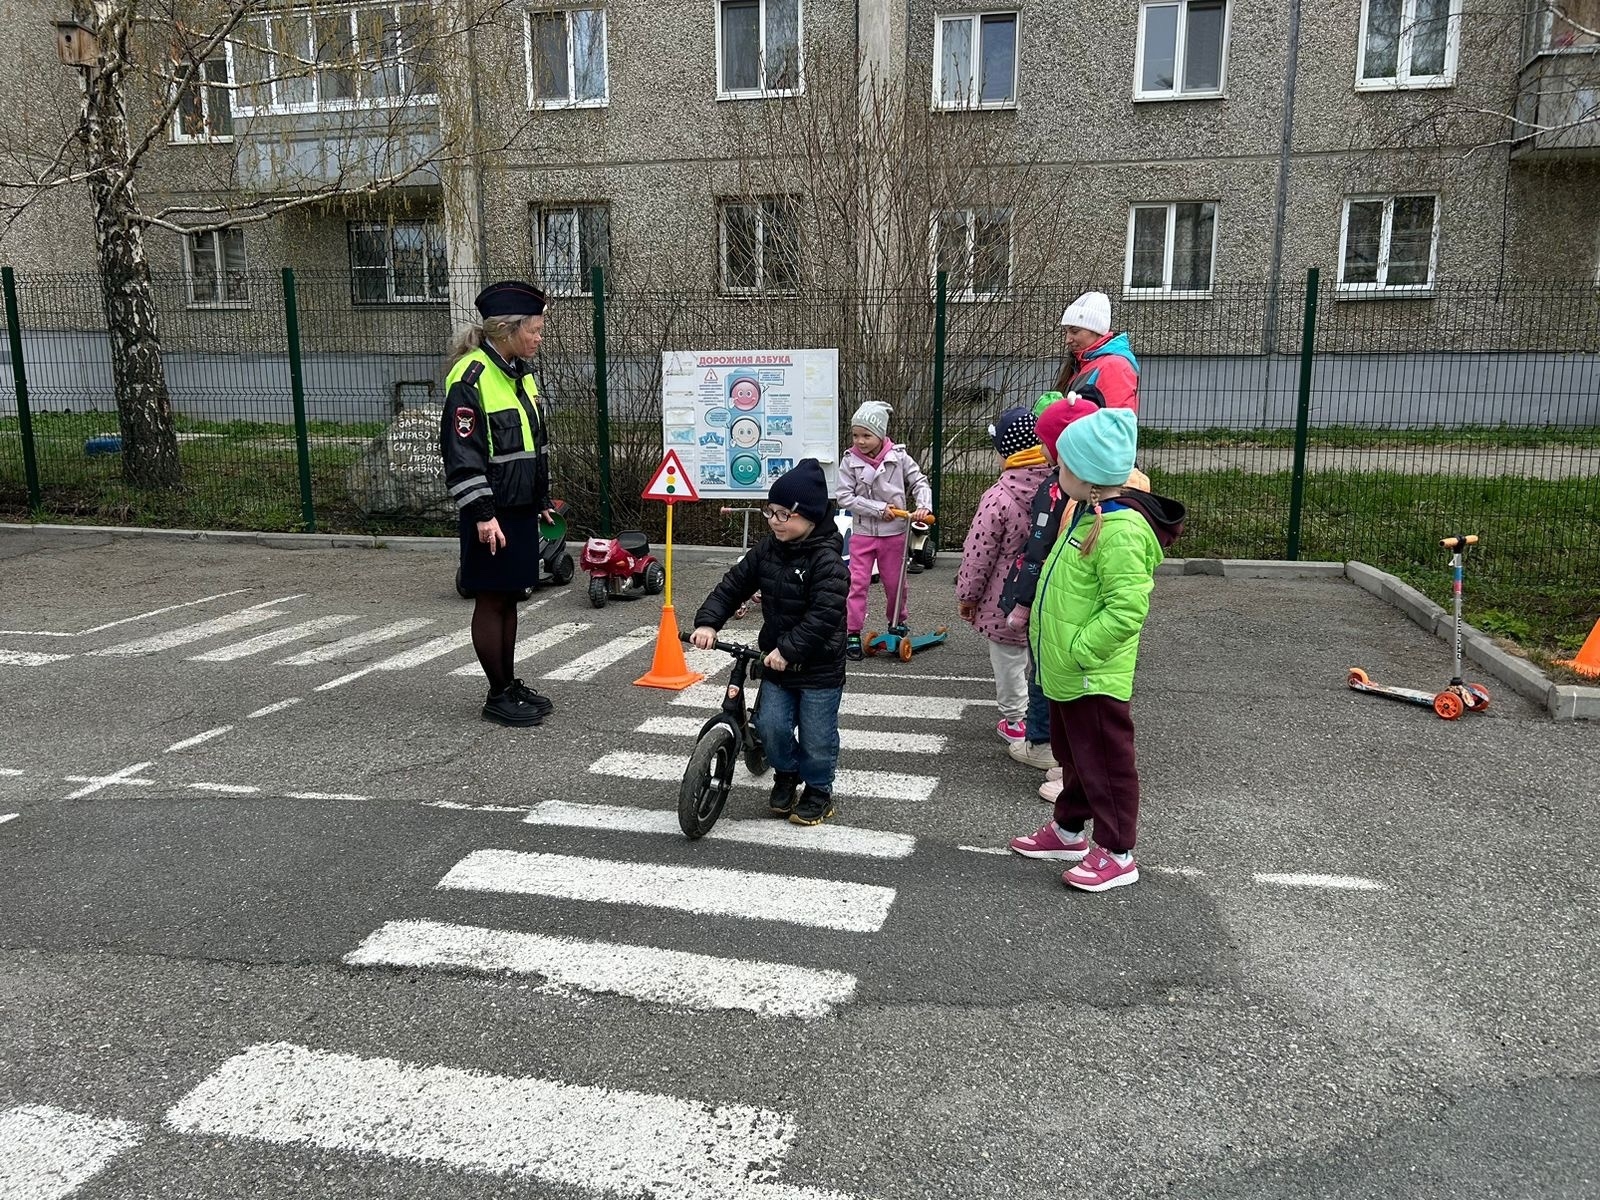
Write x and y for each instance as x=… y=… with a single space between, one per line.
x=336 y=58
x=1171 y=248
x=973 y=248
x=400 y=262
x=975 y=61
x=758 y=48
x=570 y=241
x=760 y=245
x=566 y=52
x=205 y=110
x=1408 y=43
x=214 y=264
x=1182 y=49
x=1389 y=243
x=1564 y=25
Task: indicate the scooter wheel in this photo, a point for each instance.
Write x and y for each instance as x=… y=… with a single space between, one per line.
x=706 y=781
x=869 y=643
x=1481 y=694
x=1358 y=677
x=1449 y=705
x=597 y=592
x=906 y=649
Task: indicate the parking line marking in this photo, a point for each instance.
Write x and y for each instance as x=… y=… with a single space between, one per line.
x=541 y=641
x=326 y=796
x=426 y=652
x=198 y=738
x=274 y=638
x=694 y=981
x=272 y=708
x=95 y=783
x=830 y=839
x=28 y=658
x=869 y=740
x=156 y=612
x=47 y=1153
x=9 y=817
x=226 y=789
x=335 y=650
x=185 y=634
x=712 y=891
x=896 y=707
x=877 y=785
x=1353 y=883
x=587 y=666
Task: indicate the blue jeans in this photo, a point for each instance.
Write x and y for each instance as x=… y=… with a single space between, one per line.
x=1038 y=708
x=814 y=756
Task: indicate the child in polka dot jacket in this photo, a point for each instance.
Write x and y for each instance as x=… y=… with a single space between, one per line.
x=996 y=537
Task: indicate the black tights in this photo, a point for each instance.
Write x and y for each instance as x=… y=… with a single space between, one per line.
x=494 y=637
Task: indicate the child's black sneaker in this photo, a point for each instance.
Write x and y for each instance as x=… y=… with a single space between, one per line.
x=785 y=794
x=814 y=808
x=534 y=700
x=852 y=647
x=508 y=708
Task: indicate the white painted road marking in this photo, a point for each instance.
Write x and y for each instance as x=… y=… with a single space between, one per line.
x=882 y=785
x=10 y=771
x=95 y=783
x=226 y=789
x=541 y=641
x=832 y=839
x=1352 y=883
x=697 y=981
x=273 y=708
x=984 y=849
x=274 y=638
x=715 y=891
x=359 y=641
x=868 y=740
x=47 y=1153
x=28 y=658
x=185 y=634
x=587 y=666
x=623 y=1144
x=901 y=709
x=198 y=738
x=326 y=796
x=155 y=612
x=9 y=817
x=428 y=651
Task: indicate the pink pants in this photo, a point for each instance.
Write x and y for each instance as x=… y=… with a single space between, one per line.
x=889 y=555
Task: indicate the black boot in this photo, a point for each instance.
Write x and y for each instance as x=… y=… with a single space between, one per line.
x=508 y=708
x=814 y=808
x=783 y=798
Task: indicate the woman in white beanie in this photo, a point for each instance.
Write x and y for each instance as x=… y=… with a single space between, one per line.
x=1096 y=357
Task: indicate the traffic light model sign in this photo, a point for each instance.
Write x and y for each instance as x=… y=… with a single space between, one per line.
x=670 y=484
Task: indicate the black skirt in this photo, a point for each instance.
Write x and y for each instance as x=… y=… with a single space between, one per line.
x=514 y=567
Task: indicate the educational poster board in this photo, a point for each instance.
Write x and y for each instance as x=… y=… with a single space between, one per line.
x=740 y=418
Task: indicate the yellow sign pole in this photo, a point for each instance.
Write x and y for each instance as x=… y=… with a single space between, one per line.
x=668 y=593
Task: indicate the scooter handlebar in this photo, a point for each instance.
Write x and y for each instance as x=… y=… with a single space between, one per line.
x=1456 y=543
x=905 y=516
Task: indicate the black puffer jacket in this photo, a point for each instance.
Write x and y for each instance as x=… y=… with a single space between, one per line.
x=803 y=587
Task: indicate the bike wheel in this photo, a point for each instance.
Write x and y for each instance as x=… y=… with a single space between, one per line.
x=706 y=781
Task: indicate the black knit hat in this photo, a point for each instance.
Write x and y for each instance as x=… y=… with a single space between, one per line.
x=802 y=489
x=510 y=298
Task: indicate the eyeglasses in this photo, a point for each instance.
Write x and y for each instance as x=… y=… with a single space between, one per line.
x=775 y=514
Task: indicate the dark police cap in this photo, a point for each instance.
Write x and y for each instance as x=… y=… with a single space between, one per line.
x=510 y=298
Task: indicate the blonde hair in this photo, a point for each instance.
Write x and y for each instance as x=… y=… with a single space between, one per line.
x=490 y=329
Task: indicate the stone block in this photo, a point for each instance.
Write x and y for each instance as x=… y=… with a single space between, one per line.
x=1575 y=703
x=400 y=471
x=1277 y=568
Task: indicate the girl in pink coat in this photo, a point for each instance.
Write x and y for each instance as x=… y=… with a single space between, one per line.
x=998 y=532
x=876 y=475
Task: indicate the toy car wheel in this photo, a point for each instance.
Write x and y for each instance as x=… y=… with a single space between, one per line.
x=929 y=553
x=563 y=570
x=1358 y=677
x=597 y=592
x=655 y=578
x=906 y=649
x=1449 y=705
x=1480 y=694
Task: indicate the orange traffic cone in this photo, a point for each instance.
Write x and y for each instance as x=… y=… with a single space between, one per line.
x=670 y=669
x=1587 y=661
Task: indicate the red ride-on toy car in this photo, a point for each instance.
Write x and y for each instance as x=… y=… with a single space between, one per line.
x=622 y=568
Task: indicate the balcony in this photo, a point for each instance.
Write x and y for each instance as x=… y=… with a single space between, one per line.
x=1558 y=105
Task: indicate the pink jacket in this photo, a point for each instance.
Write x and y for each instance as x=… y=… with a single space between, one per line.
x=999 y=529
x=869 y=491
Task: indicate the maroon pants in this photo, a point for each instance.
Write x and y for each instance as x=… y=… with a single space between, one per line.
x=1092 y=739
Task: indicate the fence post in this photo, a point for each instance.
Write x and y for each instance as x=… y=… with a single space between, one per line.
x=297 y=385
x=1302 y=416
x=19 y=373
x=597 y=287
x=941 y=280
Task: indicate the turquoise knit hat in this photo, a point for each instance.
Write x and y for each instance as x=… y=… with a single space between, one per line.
x=1099 y=449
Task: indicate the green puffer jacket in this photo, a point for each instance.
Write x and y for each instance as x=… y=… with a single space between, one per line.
x=1085 y=628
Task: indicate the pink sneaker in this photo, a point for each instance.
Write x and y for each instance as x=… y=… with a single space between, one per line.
x=1050 y=789
x=1053 y=775
x=1099 y=872
x=1011 y=732
x=1051 y=843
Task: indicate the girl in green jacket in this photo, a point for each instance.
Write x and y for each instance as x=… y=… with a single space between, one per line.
x=1094 y=595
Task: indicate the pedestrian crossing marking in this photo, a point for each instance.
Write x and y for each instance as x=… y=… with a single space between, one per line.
x=47 y=1153
x=711 y=891
x=426 y=652
x=900 y=708
x=28 y=658
x=184 y=634
x=272 y=639
x=871 y=741
x=587 y=666
x=827 y=839
x=538 y=643
x=695 y=981
x=359 y=641
x=878 y=785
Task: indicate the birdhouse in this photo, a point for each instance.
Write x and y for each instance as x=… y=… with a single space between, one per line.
x=76 y=44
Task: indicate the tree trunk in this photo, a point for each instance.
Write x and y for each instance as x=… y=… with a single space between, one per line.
x=144 y=410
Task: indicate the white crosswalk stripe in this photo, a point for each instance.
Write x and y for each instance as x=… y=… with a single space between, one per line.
x=537 y=643
x=825 y=839
x=155 y=643
x=28 y=658
x=587 y=666
x=872 y=741
x=877 y=785
x=428 y=651
x=47 y=1153
x=857 y=704
x=344 y=647
x=275 y=638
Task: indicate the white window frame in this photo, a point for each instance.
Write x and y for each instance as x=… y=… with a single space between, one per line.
x=1545 y=18
x=762 y=288
x=1381 y=287
x=762 y=91
x=968 y=295
x=601 y=101
x=1403 y=79
x=974 y=87
x=219 y=265
x=260 y=27
x=390 y=296
x=1176 y=92
x=1166 y=291
x=540 y=211
x=205 y=89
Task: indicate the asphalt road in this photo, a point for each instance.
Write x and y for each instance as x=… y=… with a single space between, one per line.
x=260 y=935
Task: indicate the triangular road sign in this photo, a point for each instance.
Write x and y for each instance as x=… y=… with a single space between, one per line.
x=670 y=482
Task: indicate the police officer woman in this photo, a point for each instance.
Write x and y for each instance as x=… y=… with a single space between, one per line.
x=495 y=442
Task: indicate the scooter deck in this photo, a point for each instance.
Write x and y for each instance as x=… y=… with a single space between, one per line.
x=892 y=644
x=1409 y=695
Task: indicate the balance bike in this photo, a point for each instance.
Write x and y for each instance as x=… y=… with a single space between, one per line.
x=1459 y=697
x=709 y=776
x=900 y=641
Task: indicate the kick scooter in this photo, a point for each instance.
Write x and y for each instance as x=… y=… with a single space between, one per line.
x=899 y=640
x=1459 y=697
x=709 y=776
